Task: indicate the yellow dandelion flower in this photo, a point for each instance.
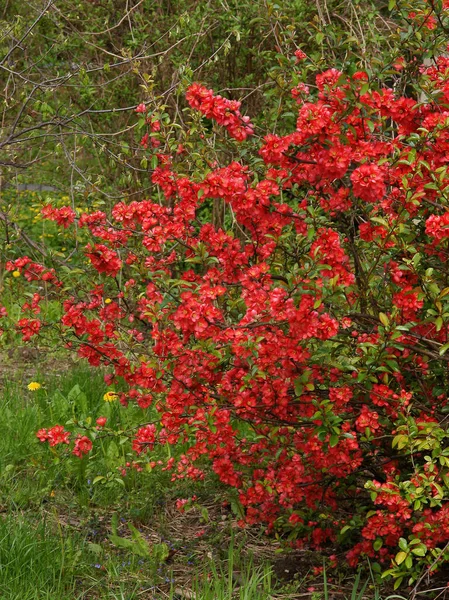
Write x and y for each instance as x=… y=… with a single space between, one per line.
x=107 y=301
x=110 y=397
x=16 y=273
x=33 y=386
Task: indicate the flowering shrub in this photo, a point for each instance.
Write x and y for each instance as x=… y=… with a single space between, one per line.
x=300 y=349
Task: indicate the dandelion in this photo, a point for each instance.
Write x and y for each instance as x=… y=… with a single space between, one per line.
x=16 y=273
x=33 y=386
x=110 y=397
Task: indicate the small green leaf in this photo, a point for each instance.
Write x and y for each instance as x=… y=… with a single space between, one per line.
x=377 y=545
x=333 y=441
x=121 y=542
x=403 y=544
x=95 y=548
x=398 y=582
x=400 y=557
x=384 y=319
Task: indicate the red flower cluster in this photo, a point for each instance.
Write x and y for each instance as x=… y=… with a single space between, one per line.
x=64 y=216
x=104 y=259
x=367 y=418
x=224 y=112
x=368 y=182
x=144 y=439
x=55 y=435
x=29 y=328
x=32 y=271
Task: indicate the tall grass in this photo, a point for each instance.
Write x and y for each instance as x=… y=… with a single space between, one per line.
x=35 y=563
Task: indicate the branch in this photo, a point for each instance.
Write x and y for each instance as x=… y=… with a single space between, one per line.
x=27 y=32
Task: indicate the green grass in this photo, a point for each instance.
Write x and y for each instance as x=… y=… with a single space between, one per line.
x=62 y=537
x=35 y=563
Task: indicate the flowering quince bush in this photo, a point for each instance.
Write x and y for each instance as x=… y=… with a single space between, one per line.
x=299 y=351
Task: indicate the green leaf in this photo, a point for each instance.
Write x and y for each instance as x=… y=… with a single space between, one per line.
x=299 y=387
x=333 y=441
x=400 y=441
x=398 y=582
x=112 y=452
x=95 y=548
x=378 y=543
x=400 y=557
x=384 y=319
x=403 y=544
x=237 y=508
x=205 y=514
x=121 y=542
x=114 y=523
x=365 y=87
x=160 y=552
x=140 y=547
x=78 y=398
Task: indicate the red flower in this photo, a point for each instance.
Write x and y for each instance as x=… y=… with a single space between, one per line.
x=64 y=216
x=29 y=328
x=144 y=439
x=300 y=55
x=104 y=259
x=58 y=435
x=368 y=182
x=42 y=434
x=83 y=445
x=367 y=418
